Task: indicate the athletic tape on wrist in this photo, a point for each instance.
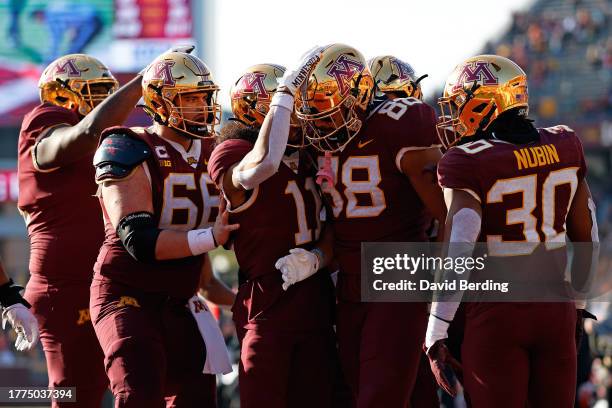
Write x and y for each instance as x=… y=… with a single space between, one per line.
x=201 y=241
x=282 y=99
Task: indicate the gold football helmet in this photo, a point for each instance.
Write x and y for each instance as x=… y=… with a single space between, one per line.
x=76 y=82
x=396 y=76
x=167 y=80
x=478 y=91
x=333 y=102
x=252 y=93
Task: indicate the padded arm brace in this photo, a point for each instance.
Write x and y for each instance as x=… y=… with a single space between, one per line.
x=138 y=234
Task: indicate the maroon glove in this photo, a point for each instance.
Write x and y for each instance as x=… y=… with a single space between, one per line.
x=439 y=359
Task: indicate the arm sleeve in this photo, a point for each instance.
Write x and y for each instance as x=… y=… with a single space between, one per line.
x=456 y=170
x=251 y=171
x=416 y=129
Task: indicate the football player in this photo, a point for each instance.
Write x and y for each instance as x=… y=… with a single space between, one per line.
x=287 y=342
x=395 y=78
x=15 y=310
x=375 y=168
x=57 y=142
x=157 y=202
x=499 y=189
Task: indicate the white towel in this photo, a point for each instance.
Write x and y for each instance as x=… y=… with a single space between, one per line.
x=217 y=357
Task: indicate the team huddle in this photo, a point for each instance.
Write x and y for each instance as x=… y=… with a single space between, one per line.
x=318 y=159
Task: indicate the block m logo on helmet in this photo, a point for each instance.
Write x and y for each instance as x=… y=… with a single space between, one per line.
x=476 y=71
x=68 y=67
x=343 y=69
x=405 y=71
x=253 y=82
x=162 y=70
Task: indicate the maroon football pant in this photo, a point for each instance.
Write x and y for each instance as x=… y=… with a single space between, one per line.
x=519 y=353
x=380 y=346
x=282 y=369
x=153 y=351
x=73 y=354
x=425 y=390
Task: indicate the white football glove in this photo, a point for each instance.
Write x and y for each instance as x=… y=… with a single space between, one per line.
x=24 y=323
x=297 y=266
x=295 y=77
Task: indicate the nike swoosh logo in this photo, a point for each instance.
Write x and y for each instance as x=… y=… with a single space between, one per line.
x=362 y=144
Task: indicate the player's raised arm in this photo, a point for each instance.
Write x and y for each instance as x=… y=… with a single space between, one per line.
x=86 y=86
x=265 y=157
x=126 y=193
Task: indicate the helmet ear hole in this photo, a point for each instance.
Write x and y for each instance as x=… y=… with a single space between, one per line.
x=479 y=109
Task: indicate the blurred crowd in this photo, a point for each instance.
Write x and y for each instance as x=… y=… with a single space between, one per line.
x=566 y=47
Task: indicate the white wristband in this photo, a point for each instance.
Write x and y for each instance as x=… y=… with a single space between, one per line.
x=201 y=241
x=283 y=99
x=436 y=330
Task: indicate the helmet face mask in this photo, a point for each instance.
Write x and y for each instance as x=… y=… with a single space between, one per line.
x=476 y=93
x=331 y=130
x=395 y=77
x=179 y=92
x=195 y=110
x=332 y=103
x=77 y=82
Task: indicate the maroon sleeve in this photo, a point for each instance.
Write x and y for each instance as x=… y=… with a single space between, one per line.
x=569 y=144
x=225 y=156
x=37 y=121
x=419 y=127
x=456 y=171
x=411 y=125
x=46 y=116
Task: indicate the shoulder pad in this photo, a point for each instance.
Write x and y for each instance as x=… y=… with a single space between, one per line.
x=120 y=152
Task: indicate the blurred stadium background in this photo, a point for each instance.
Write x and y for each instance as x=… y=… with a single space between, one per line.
x=565 y=46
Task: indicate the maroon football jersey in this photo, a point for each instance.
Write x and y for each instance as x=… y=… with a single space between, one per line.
x=372 y=200
x=59 y=205
x=525 y=190
x=281 y=213
x=184 y=198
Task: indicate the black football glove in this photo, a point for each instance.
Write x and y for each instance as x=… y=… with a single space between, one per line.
x=9 y=295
